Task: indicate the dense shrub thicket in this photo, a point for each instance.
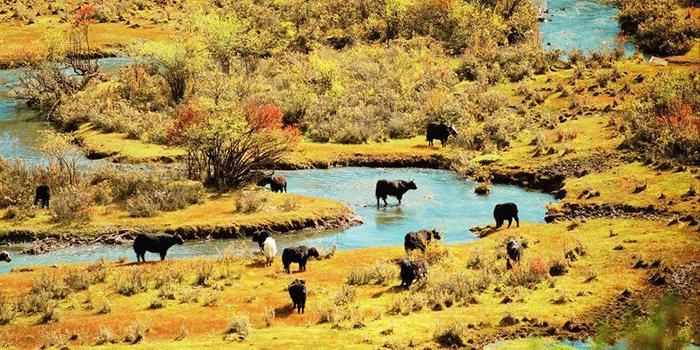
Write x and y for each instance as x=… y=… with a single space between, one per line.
x=660 y=26
x=665 y=120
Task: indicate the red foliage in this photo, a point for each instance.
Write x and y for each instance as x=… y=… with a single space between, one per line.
x=84 y=15
x=680 y=114
x=187 y=117
x=265 y=117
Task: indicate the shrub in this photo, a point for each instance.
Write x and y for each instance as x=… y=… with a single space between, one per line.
x=50 y=314
x=451 y=335
x=48 y=284
x=250 y=201
x=212 y=298
x=656 y=26
x=483 y=188
x=72 y=204
x=143 y=205
x=105 y=307
x=664 y=121
x=558 y=267
x=131 y=282
x=78 y=279
x=436 y=252
x=380 y=273
x=7 y=311
x=135 y=333
x=534 y=272
x=289 y=204
x=156 y=303
x=239 y=325
x=106 y=336
x=203 y=273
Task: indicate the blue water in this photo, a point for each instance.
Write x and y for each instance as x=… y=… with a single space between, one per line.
x=442 y=201
x=20 y=127
x=581 y=24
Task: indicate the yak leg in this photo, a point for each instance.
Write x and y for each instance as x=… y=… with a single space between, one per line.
x=443 y=142
x=399 y=198
x=162 y=256
x=517 y=221
x=499 y=223
x=510 y=221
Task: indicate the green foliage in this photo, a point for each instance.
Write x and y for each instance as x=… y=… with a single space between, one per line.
x=657 y=26
x=665 y=120
x=179 y=63
x=72 y=203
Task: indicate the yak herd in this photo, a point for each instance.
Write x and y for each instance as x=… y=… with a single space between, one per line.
x=410 y=270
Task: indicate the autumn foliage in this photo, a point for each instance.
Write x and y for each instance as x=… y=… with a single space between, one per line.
x=187 y=116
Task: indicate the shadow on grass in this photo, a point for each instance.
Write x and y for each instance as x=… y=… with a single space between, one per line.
x=284 y=311
x=390 y=290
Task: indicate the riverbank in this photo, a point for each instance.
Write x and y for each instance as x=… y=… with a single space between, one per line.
x=215 y=218
x=491 y=303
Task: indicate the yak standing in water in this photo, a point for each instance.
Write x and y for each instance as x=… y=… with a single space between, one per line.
x=42 y=196
x=395 y=188
x=155 y=243
x=506 y=211
x=278 y=183
x=439 y=131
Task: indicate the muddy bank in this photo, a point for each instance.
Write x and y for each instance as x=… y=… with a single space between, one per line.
x=8 y=63
x=576 y=211
x=41 y=242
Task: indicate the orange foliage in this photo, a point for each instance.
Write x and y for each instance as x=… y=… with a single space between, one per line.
x=265 y=117
x=187 y=117
x=680 y=114
x=84 y=15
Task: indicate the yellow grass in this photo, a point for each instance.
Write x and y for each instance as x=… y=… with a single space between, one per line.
x=216 y=212
x=260 y=289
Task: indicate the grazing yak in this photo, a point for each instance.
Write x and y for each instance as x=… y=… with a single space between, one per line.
x=419 y=239
x=260 y=237
x=155 y=243
x=297 y=291
x=515 y=253
x=269 y=250
x=506 y=211
x=439 y=131
x=396 y=188
x=5 y=256
x=298 y=255
x=412 y=270
x=278 y=183
x=42 y=196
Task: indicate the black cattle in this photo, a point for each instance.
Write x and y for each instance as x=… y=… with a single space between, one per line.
x=278 y=183
x=5 y=256
x=42 y=196
x=395 y=188
x=439 y=131
x=155 y=243
x=260 y=237
x=412 y=270
x=506 y=211
x=298 y=255
x=297 y=291
x=515 y=253
x=419 y=239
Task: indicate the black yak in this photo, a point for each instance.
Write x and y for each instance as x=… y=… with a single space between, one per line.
x=395 y=188
x=419 y=239
x=412 y=270
x=439 y=131
x=298 y=255
x=260 y=237
x=506 y=211
x=278 y=183
x=155 y=243
x=42 y=196
x=5 y=256
x=297 y=291
x=515 y=253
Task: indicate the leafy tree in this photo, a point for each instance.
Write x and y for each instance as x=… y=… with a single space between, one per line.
x=226 y=150
x=179 y=63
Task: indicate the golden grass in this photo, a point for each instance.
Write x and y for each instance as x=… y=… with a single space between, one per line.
x=264 y=288
x=218 y=211
x=122 y=149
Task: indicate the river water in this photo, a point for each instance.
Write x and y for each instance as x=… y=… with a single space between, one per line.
x=443 y=201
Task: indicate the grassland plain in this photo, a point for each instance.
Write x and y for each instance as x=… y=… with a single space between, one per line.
x=487 y=302
x=217 y=217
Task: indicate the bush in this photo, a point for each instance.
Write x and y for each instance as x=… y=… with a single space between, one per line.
x=249 y=201
x=664 y=121
x=106 y=336
x=78 y=280
x=534 y=272
x=380 y=273
x=239 y=325
x=50 y=314
x=143 y=205
x=7 y=311
x=656 y=26
x=72 y=204
x=451 y=335
x=131 y=282
x=48 y=284
x=135 y=333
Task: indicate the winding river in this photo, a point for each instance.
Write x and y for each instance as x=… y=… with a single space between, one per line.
x=442 y=201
